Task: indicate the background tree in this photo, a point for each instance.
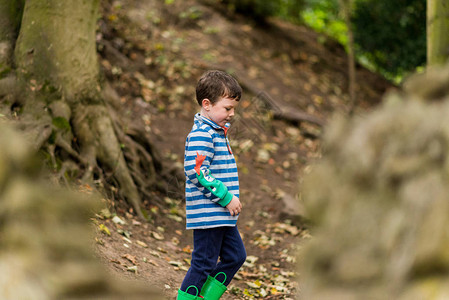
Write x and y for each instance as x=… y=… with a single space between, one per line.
x=346 y=7
x=391 y=34
x=437 y=32
x=49 y=59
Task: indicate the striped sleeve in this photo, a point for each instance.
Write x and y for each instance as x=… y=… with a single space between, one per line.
x=200 y=142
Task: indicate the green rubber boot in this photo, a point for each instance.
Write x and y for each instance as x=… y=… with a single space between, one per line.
x=213 y=289
x=186 y=296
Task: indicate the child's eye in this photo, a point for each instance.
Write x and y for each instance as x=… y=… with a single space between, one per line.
x=228 y=109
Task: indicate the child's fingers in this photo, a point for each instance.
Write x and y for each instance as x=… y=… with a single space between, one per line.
x=234 y=212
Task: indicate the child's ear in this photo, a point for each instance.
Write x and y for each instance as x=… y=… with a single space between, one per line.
x=206 y=104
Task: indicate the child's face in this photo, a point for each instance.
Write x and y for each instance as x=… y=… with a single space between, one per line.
x=222 y=111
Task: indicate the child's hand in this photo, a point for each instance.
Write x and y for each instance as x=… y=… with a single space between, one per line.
x=234 y=207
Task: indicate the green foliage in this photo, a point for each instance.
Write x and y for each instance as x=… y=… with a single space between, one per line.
x=391 y=34
x=291 y=9
x=61 y=123
x=323 y=17
x=193 y=13
x=4 y=70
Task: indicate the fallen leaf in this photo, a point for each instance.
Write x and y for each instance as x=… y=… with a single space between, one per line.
x=250 y=261
x=262 y=156
x=184 y=268
x=254 y=285
x=175 y=263
x=157 y=236
x=263 y=293
x=132 y=269
x=104 y=229
x=125 y=233
x=187 y=249
x=175 y=218
x=247 y=293
x=105 y=213
x=153 y=263
x=127 y=239
x=117 y=220
x=142 y=244
x=154 y=253
x=131 y=258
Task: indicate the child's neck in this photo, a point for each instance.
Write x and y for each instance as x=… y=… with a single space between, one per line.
x=204 y=114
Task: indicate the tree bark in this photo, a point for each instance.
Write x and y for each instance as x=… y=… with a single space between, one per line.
x=57 y=44
x=10 y=14
x=346 y=6
x=437 y=32
x=62 y=101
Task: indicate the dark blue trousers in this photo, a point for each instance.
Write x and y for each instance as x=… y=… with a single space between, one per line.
x=209 y=245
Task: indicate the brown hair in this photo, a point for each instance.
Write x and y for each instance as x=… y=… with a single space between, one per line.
x=215 y=84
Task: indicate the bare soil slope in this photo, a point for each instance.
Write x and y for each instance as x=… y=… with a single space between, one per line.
x=153 y=53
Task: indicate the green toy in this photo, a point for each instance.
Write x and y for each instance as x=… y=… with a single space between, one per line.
x=186 y=296
x=213 y=289
x=215 y=186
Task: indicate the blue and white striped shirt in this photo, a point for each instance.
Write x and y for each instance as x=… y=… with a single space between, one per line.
x=209 y=139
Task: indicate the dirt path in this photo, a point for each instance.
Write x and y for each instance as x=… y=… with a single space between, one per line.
x=153 y=53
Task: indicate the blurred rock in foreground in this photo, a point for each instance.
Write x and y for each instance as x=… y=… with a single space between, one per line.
x=46 y=240
x=379 y=201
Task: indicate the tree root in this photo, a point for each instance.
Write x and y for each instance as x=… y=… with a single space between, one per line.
x=8 y=86
x=95 y=147
x=94 y=127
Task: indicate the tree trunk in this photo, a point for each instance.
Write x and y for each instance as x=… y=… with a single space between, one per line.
x=437 y=32
x=62 y=105
x=57 y=44
x=10 y=14
x=346 y=6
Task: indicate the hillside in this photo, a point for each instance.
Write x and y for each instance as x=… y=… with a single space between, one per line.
x=152 y=53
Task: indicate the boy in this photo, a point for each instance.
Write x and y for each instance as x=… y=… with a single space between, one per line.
x=212 y=191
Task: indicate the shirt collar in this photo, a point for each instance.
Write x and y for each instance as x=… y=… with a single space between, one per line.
x=200 y=118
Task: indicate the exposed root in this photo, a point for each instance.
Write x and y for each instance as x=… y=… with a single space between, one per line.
x=94 y=127
x=69 y=168
x=8 y=94
x=39 y=134
x=95 y=148
x=139 y=157
x=47 y=248
x=68 y=148
x=8 y=86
